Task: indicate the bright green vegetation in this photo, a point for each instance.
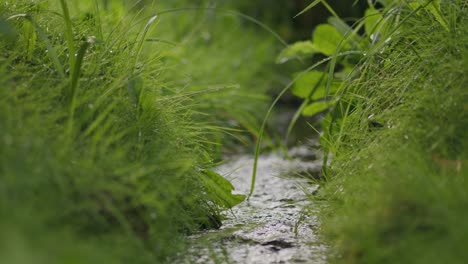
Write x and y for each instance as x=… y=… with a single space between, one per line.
x=396 y=134
x=113 y=114
x=109 y=118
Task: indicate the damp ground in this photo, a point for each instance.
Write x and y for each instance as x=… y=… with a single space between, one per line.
x=277 y=225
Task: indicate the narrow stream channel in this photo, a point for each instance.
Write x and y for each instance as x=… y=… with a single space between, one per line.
x=277 y=225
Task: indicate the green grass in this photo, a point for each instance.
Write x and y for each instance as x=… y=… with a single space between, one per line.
x=105 y=149
x=236 y=77
x=396 y=190
x=111 y=117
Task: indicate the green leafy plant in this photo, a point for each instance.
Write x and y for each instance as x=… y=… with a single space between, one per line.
x=337 y=37
x=220 y=190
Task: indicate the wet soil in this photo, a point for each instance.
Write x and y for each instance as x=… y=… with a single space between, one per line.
x=277 y=224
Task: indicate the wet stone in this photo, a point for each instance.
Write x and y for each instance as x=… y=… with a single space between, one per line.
x=277 y=224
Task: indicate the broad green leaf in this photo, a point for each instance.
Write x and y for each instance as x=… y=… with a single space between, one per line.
x=300 y=48
x=315 y=108
x=372 y=21
x=327 y=38
x=313 y=85
x=304 y=86
x=219 y=189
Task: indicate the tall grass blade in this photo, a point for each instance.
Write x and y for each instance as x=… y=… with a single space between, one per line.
x=262 y=130
x=270 y=110
x=142 y=39
x=97 y=12
x=75 y=76
x=68 y=35
x=30 y=39
x=77 y=67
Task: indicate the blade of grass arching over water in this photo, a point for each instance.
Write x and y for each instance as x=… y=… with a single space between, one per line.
x=265 y=120
x=270 y=110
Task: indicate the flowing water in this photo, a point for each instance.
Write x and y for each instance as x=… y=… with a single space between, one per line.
x=277 y=225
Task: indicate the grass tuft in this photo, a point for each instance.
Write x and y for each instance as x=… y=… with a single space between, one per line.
x=398 y=177
x=107 y=140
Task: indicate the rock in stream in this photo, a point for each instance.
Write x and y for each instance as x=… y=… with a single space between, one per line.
x=277 y=225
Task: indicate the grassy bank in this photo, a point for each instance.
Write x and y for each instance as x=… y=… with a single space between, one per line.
x=108 y=122
x=396 y=189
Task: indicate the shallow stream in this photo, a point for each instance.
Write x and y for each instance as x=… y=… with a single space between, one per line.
x=277 y=224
